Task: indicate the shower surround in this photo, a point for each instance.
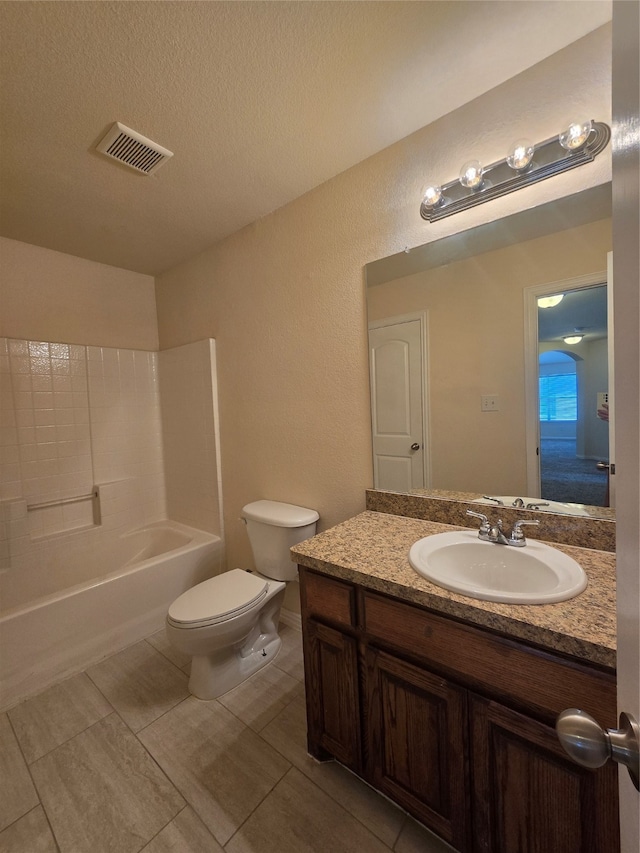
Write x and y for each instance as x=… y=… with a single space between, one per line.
x=83 y=462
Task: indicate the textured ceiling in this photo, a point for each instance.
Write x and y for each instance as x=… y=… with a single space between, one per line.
x=259 y=101
x=584 y=311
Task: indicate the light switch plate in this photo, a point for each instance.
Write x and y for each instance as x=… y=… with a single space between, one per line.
x=489 y=403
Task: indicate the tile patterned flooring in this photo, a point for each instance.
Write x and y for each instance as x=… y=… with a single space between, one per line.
x=121 y=758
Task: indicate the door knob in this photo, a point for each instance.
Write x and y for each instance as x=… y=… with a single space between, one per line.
x=415 y=446
x=587 y=743
x=606 y=466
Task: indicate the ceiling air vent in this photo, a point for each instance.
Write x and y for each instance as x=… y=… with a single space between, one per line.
x=133 y=149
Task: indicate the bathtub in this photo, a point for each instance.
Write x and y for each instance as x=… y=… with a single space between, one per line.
x=63 y=632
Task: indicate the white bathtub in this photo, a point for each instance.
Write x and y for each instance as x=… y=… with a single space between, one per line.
x=46 y=640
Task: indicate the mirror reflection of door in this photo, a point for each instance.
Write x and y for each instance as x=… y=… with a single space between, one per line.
x=573 y=397
x=398 y=392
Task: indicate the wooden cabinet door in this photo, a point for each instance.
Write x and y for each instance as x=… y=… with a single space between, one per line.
x=529 y=797
x=415 y=747
x=333 y=703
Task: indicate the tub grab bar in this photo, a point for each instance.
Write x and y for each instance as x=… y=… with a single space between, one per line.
x=91 y=496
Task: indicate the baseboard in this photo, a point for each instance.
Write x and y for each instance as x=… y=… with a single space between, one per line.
x=290 y=618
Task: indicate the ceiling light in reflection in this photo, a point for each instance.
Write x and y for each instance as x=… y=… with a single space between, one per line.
x=550 y=301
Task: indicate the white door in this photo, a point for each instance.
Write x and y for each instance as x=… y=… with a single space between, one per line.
x=398 y=391
x=611 y=396
x=626 y=281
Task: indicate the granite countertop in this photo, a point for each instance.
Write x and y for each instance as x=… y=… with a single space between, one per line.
x=372 y=550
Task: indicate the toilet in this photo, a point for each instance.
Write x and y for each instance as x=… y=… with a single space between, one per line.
x=229 y=624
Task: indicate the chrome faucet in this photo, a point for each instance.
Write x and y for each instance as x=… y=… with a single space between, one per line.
x=497 y=501
x=517 y=536
x=518 y=503
x=494 y=533
x=485 y=527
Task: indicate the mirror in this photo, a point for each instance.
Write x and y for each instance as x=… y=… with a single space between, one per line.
x=455 y=355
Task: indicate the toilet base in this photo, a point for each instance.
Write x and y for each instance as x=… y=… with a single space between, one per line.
x=214 y=675
x=234 y=649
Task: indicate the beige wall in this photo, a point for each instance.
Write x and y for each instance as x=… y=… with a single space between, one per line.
x=284 y=298
x=50 y=296
x=476 y=333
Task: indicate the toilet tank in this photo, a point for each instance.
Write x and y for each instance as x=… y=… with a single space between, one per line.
x=273 y=528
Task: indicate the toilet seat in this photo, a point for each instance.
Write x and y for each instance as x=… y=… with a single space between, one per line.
x=217 y=600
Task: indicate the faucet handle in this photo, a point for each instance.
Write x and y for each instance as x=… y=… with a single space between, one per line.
x=485 y=527
x=516 y=533
x=478 y=515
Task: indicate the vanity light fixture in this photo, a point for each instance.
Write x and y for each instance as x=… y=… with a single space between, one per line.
x=471 y=175
x=526 y=163
x=520 y=155
x=573 y=339
x=432 y=195
x=550 y=301
x=575 y=135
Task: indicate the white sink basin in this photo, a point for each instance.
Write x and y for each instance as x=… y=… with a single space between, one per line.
x=534 y=574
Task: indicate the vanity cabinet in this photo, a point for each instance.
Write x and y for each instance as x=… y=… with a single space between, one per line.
x=455 y=723
x=416 y=743
x=334 y=718
x=529 y=796
x=331 y=666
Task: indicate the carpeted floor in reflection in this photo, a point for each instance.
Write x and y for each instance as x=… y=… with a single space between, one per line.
x=566 y=478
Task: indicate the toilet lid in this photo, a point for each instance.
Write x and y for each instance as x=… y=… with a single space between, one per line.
x=218 y=598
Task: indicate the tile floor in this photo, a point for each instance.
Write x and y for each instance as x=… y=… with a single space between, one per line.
x=120 y=758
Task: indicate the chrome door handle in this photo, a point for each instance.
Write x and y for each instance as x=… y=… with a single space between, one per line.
x=607 y=466
x=415 y=446
x=588 y=744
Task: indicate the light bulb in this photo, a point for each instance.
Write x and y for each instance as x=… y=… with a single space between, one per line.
x=520 y=154
x=471 y=175
x=573 y=339
x=575 y=135
x=432 y=196
x=550 y=301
